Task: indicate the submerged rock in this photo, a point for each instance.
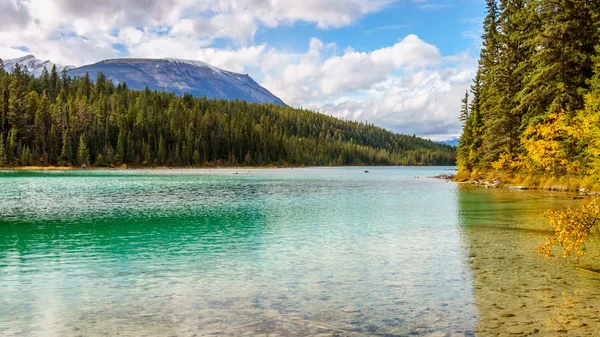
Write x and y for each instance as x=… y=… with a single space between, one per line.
x=443 y=176
x=517 y=187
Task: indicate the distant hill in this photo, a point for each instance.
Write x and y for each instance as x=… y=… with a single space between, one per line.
x=171 y=75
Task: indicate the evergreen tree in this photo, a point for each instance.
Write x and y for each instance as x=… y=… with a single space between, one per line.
x=562 y=61
x=42 y=119
x=66 y=153
x=83 y=153
x=490 y=108
x=17 y=102
x=12 y=147
x=3 y=159
x=162 y=151
x=53 y=83
x=464 y=109
x=26 y=159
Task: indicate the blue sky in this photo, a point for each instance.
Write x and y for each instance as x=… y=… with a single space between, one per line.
x=400 y=64
x=449 y=25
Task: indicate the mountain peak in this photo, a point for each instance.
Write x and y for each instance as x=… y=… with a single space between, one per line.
x=452 y=141
x=27 y=57
x=34 y=65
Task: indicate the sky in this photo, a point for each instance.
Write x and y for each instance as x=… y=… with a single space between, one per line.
x=400 y=64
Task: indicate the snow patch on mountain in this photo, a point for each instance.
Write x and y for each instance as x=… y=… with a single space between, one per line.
x=199 y=64
x=453 y=141
x=34 y=65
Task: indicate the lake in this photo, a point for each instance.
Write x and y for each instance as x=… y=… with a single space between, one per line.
x=288 y=252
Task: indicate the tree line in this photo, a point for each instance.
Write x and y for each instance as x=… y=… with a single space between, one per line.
x=58 y=120
x=534 y=105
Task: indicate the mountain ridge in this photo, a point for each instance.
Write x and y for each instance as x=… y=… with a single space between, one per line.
x=34 y=65
x=179 y=76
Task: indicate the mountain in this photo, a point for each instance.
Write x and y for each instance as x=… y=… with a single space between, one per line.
x=180 y=76
x=34 y=66
x=171 y=75
x=453 y=141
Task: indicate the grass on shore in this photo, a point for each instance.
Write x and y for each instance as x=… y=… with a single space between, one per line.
x=126 y=167
x=532 y=181
x=37 y=168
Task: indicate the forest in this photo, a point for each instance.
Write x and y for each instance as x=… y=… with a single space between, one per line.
x=534 y=105
x=56 y=120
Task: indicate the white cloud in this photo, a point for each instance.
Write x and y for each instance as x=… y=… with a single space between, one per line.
x=410 y=52
x=408 y=87
x=13 y=15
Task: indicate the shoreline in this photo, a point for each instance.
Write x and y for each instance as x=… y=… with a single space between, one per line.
x=126 y=167
x=516 y=181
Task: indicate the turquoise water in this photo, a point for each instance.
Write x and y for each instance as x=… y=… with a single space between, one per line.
x=291 y=252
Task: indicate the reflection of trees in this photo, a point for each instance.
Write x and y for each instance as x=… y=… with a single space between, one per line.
x=517 y=291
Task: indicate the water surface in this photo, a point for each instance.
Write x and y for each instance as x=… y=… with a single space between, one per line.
x=294 y=252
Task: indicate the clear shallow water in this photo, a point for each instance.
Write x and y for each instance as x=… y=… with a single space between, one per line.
x=331 y=251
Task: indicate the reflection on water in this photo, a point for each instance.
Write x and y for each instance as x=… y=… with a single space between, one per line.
x=518 y=291
x=319 y=251
x=289 y=252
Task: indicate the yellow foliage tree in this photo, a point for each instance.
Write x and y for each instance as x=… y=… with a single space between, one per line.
x=543 y=145
x=586 y=131
x=572 y=228
x=561 y=146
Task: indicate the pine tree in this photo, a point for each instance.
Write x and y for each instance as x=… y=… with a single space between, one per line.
x=53 y=83
x=490 y=112
x=562 y=61
x=12 y=147
x=66 y=153
x=26 y=159
x=42 y=119
x=121 y=146
x=464 y=109
x=17 y=102
x=45 y=79
x=3 y=159
x=516 y=24
x=162 y=151
x=196 y=158
x=83 y=152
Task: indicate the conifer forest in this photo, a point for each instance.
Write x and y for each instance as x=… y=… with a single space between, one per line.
x=534 y=105
x=59 y=120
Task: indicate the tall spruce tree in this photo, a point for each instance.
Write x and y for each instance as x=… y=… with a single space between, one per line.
x=18 y=111
x=53 y=83
x=562 y=61
x=66 y=153
x=518 y=24
x=83 y=152
x=3 y=159
x=493 y=136
x=42 y=119
x=464 y=109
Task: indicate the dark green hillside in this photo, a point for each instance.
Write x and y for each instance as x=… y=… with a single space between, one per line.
x=57 y=120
